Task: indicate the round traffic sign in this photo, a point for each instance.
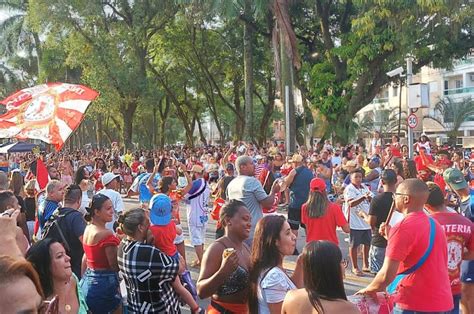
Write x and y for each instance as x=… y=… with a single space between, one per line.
x=412 y=121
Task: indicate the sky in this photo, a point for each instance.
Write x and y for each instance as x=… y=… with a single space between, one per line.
x=3 y=15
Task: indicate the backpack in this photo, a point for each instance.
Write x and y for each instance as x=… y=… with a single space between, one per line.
x=52 y=228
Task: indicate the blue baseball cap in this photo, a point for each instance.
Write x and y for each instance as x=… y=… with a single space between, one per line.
x=375 y=159
x=160 y=210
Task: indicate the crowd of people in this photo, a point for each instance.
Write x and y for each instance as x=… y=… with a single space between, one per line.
x=74 y=247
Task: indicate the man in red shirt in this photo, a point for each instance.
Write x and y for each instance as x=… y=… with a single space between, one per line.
x=459 y=236
x=427 y=289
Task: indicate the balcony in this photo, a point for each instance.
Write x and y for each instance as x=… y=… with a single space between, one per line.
x=462 y=62
x=456 y=91
x=380 y=100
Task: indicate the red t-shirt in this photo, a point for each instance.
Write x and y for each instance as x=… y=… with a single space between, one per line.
x=324 y=227
x=458 y=231
x=420 y=165
x=164 y=238
x=135 y=166
x=427 y=289
x=439 y=180
x=395 y=148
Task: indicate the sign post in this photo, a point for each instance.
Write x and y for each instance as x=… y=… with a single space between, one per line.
x=412 y=121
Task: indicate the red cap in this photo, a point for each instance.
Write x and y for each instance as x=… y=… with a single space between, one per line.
x=317 y=184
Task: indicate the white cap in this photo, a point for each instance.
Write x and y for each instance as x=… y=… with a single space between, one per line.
x=108 y=177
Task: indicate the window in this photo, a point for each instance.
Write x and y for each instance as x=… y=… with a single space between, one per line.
x=458 y=84
x=395 y=91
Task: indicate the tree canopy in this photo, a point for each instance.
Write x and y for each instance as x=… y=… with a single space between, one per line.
x=165 y=68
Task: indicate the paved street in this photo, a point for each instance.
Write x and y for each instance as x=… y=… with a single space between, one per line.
x=351 y=282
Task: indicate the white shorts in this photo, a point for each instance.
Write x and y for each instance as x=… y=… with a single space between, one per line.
x=197 y=234
x=179 y=238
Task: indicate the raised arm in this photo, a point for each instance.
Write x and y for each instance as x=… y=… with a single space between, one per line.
x=149 y=182
x=225 y=159
x=189 y=180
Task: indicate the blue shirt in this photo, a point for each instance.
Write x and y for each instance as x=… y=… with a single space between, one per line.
x=145 y=194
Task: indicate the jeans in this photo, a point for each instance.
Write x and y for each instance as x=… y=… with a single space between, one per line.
x=376 y=257
x=101 y=290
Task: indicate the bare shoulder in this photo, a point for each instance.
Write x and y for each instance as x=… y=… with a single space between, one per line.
x=348 y=307
x=340 y=306
x=93 y=235
x=215 y=249
x=104 y=233
x=295 y=296
x=296 y=301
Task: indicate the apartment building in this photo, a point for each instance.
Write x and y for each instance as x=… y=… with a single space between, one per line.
x=456 y=83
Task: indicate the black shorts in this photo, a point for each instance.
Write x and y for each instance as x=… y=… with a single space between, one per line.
x=294 y=218
x=358 y=237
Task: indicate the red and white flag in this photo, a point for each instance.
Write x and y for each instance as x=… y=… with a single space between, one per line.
x=48 y=112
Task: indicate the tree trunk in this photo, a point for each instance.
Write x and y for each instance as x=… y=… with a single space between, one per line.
x=287 y=88
x=239 y=122
x=164 y=113
x=269 y=108
x=341 y=133
x=154 y=128
x=127 y=115
x=201 y=132
x=98 y=129
x=248 y=71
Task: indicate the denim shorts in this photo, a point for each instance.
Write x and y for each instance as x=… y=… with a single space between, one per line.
x=101 y=290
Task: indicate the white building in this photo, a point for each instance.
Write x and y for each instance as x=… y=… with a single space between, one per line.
x=457 y=83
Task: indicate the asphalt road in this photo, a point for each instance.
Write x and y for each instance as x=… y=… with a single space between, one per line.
x=351 y=283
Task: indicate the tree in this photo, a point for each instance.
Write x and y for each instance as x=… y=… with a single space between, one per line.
x=9 y=82
x=17 y=35
x=451 y=115
x=384 y=121
x=248 y=12
x=348 y=46
x=109 y=41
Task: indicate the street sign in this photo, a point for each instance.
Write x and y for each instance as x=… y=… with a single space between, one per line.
x=412 y=121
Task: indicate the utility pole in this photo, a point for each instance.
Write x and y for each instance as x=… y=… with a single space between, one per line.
x=409 y=60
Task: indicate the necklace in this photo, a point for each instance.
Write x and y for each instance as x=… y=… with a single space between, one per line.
x=67 y=305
